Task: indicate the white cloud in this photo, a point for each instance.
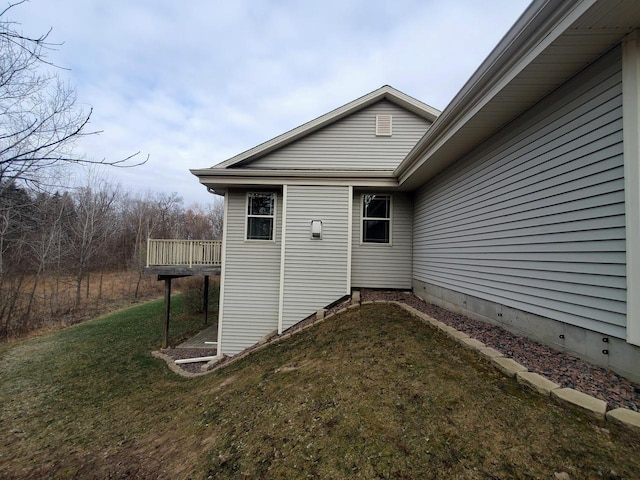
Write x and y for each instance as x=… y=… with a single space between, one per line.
x=193 y=83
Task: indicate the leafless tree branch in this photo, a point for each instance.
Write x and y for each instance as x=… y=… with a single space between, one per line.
x=40 y=121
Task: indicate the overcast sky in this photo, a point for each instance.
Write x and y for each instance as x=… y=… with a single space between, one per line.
x=192 y=83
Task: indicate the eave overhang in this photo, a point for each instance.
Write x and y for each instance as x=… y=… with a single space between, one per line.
x=220 y=179
x=550 y=43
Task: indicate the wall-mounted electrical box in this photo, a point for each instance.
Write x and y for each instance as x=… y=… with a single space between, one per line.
x=316 y=229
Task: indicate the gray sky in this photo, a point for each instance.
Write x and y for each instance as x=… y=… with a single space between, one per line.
x=192 y=83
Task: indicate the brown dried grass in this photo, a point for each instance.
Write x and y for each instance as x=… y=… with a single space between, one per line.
x=53 y=305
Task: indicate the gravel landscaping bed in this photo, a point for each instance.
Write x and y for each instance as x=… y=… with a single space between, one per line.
x=180 y=353
x=559 y=367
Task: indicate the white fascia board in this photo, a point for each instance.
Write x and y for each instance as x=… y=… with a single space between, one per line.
x=631 y=142
x=219 y=184
x=219 y=179
x=412 y=104
x=302 y=173
x=385 y=92
x=540 y=25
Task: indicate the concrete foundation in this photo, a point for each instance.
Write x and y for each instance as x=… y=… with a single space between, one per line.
x=613 y=353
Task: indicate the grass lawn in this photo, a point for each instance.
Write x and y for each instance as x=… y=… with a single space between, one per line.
x=371 y=394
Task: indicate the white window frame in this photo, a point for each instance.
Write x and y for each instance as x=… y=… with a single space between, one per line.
x=389 y=218
x=247 y=216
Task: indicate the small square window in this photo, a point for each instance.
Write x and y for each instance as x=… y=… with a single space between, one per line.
x=260 y=215
x=376 y=218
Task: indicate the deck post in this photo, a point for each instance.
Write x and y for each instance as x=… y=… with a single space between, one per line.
x=205 y=299
x=167 y=311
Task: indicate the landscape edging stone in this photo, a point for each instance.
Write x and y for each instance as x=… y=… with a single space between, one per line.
x=508 y=366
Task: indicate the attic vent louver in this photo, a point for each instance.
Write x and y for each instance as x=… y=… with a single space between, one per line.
x=383 y=125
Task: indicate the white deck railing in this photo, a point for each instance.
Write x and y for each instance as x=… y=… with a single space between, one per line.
x=183 y=252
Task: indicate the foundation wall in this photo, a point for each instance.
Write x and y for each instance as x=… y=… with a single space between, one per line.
x=613 y=353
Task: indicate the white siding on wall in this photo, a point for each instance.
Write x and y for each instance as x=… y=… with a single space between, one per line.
x=384 y=266
x=535 y=218
x=315 y=271
x=251 y=281
x=352 y=142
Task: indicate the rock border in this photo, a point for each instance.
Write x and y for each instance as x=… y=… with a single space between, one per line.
x=539 y=384
x=535 y=382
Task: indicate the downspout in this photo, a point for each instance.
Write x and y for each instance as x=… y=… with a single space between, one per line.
x=631 y=154
x=349 y=239
x=223 y=261
x=283 y=237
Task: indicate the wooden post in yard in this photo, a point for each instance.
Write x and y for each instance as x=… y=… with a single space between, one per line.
x=205 y=300
x=167 y=311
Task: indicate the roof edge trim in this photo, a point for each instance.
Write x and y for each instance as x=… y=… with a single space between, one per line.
x=538 y=26
x=385 y=92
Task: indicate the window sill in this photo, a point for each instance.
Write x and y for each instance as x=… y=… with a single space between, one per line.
x=375 y=244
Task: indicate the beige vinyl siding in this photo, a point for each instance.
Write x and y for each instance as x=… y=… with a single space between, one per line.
x=383 y=266
x=315 y=271
x=351 y=143
x=251 y=281
x=534 y=219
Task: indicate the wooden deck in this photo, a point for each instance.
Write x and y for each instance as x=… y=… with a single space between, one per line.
x=201 y=256
x=176 y=271
x=209 y=334
x=171 y=259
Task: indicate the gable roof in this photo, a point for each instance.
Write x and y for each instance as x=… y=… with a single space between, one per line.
x=385 y=92
x=549 y=43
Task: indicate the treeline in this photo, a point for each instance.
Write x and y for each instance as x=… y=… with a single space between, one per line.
x=56 y=247
x=64 y=252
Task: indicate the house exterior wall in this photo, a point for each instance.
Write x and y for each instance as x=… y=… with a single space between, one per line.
x=315 y=271
x=610 y=352
x=383 y=266
x=534 y=218
x=351 y=143
x=251 y=279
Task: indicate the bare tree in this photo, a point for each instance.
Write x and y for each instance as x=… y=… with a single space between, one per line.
x=45 y=238
x=170 y=209
x=200 y=222
x=92 y=227
x=39 y=118
x=139 y=216
x=215 y=212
